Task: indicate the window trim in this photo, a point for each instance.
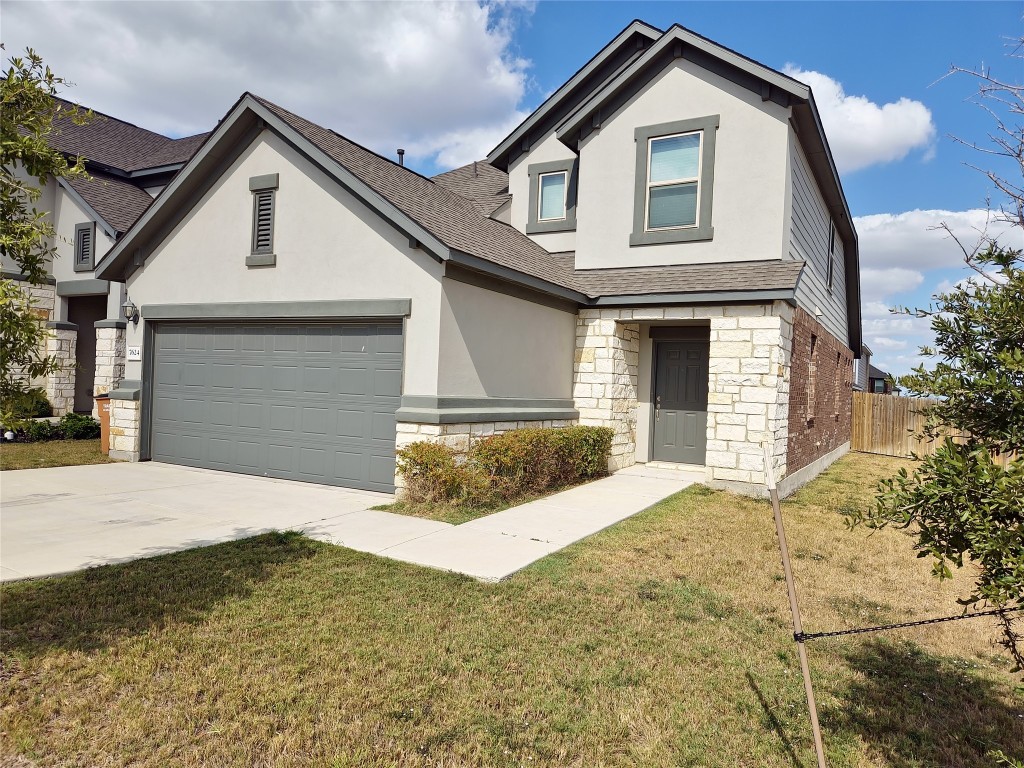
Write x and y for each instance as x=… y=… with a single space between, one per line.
x=90 y=265
x=643 y=136
x=536 y=225
x=259 y=185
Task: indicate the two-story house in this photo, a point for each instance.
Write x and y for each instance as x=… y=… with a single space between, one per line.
x=127 y=168
x=662 y=247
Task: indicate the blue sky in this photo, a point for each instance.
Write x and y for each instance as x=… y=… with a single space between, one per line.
x=448 y=79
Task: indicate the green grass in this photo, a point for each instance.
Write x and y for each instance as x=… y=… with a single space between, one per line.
x=52 y=453
x=663 y=641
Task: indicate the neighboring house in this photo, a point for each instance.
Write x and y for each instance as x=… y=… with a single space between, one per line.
x=861 y=368
x=127 y=167
x=880 y=382
x=662 y=247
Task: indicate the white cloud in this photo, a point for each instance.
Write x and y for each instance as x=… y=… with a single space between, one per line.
x=910 y=240
x=879 y=283
x=439 y=78
x=862 y=133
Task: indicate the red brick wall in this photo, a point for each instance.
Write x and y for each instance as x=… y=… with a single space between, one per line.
x=820 y=392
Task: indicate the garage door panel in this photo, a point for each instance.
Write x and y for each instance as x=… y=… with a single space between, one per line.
x=300 y=401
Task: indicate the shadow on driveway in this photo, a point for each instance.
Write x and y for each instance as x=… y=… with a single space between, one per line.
x=90 y=609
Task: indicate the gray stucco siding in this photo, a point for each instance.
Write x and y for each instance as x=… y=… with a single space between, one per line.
x=329 y=246
x=499 y=346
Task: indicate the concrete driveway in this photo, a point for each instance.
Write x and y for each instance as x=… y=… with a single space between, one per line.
x=68 y=518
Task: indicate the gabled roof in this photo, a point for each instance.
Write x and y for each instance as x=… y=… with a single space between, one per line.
x=118 y=145
x=114 y=201
x=442 y=222
x=623 y=49
x=479 y=182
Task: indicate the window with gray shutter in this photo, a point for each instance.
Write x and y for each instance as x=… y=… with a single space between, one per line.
x=830 y=269
x=85 y=237
x=264 y=190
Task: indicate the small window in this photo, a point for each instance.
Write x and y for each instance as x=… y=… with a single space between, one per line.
x=830 y=268
x=812 y=379
x=551 y=197
x=673 y=164
x=85 y=244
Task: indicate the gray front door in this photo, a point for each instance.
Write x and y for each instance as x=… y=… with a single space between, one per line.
x=301 y=401
x=680 y=401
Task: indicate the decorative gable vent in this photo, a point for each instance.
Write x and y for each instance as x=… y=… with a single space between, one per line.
x=85 y=235
x=263 y=222
x=264 y=189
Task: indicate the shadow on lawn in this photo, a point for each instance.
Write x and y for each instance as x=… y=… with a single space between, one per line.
x=90 y=609
x=914 y=709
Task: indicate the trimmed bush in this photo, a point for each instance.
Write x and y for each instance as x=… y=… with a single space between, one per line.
x=433 y=474
x=40 y=431
x=504 y=467
x=78 y=426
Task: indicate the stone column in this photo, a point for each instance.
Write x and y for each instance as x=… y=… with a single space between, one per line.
x=605 y=378
x=125 y=429
x=60 y=384
x=110 y=351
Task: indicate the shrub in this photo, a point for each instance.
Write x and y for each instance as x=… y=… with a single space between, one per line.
x=434 y=475
x=506 y=466
x=29 y=405
x=78 y=426
x=40 y=431
x=518 y=462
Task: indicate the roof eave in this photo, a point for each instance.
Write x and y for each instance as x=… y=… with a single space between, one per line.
x=109 y=229
x=477 y=264
x=694 y=297
x=677 y=38
x=509 y=142
x=248 y=109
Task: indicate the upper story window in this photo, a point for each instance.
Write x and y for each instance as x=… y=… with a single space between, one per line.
x=673 y=178
x=551 y=200
x=830 y=269
x=552 y=197
x=264 y=189
x=675 y=164
x=85 y=246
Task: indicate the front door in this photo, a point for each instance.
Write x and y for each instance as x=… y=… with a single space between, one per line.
x=680 y=401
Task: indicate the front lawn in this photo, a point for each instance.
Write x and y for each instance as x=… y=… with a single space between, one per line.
x=663 y=641
x=51 y=453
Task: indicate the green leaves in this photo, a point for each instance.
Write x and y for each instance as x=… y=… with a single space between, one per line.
x=27 y=237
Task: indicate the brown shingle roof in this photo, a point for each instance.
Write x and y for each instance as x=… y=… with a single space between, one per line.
x=460 y=225
x=693 y=278
x=117 y=144
x=118 y=202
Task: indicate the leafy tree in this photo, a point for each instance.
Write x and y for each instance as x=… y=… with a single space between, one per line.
x=961 y=504
x=27 y=238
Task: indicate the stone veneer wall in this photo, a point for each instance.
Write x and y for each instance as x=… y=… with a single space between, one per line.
x=43 y=299
x=748 y=383
x=60 y=384
x=110 y=355
x=125 y=429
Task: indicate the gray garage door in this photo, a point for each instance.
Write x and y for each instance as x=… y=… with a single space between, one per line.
x=312 y=402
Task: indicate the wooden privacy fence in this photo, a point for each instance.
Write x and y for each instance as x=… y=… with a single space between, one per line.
x=888 y=425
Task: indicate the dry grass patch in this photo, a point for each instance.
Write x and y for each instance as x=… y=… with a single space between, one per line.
x=51 y=453
x=663 y=641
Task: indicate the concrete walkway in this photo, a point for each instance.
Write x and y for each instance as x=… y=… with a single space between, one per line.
x=64 y=519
